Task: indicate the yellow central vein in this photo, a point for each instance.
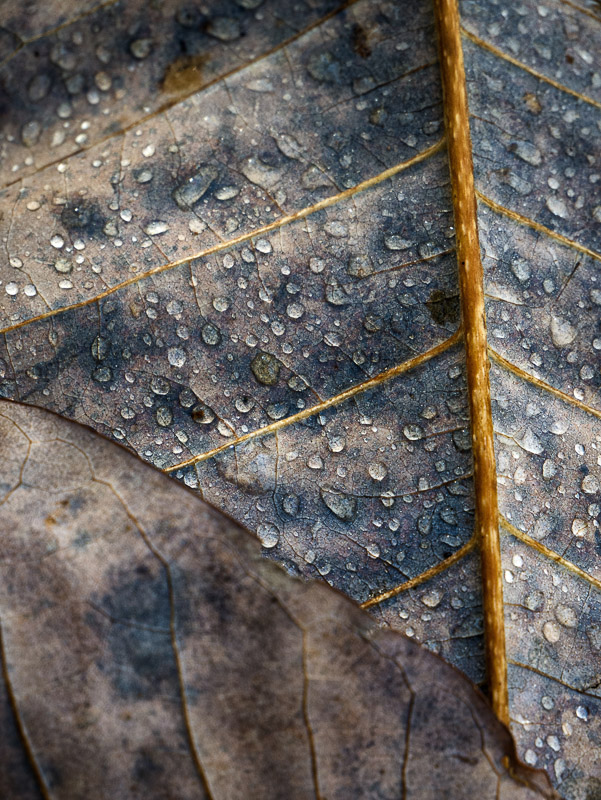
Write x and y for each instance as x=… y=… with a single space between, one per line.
x=547 y=552
x=471 y=285
x=412 y=363
x=526 y=376
x=279 y=223
x=539 y=75
x=559 y=237
x=432 y=572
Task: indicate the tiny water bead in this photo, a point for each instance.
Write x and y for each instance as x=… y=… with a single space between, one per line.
x=268 y=534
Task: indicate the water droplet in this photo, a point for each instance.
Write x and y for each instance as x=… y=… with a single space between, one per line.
x=266 y=368
x=562 y=332
x=557 y=207
x=210 y=334
x=462 y=440
x=102 y=374
x=143 y=175
x=39 y=86
x=295 y=310
x=531 y=443
x=159 y=385
x=342 y=505
x=333 y=339
x=413 y=432
x=164 y=416
x=534 y=601
x=100 y=348
x=276 y=411
x=336 y=442
x=156 y=227
x=566 y=616
x=551 y=631
x=140 y=48
x=176 y=356
x=202 y=414
x=191 y=191
x=396 y=243
x=291 y=504
x=30 y=133
x=226 y=193
x=324 y=67
x=226 y=29
x=221 y=304
x=377 y=471
x=336 y=295
x=268 y=534
x=373 y=550
x=244 y=404
x=590 y=484
x=521 y=269
x=315 y=462
x=187 y=398
x=432 y=598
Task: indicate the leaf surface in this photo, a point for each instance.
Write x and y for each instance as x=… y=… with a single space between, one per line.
x=148 y=650
x=239 y=260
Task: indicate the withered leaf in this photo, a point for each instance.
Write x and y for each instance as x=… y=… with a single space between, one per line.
x=148 y=650
x=232 y=243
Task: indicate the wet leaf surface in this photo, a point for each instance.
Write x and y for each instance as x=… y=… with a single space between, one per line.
x=148 y=650
x=230 y=246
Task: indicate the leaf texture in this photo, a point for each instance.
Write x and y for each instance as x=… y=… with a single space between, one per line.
x=149 y=651
x=230 y=245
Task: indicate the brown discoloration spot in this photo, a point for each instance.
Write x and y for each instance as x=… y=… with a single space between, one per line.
x=185 y=75
x=532 y=102
x=361 y=41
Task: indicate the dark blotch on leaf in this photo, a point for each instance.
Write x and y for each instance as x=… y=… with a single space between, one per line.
x=142 y=663
x=360 y=42
x=443 y=308
x=83 y=217
x=146 y=769
x=324 y=67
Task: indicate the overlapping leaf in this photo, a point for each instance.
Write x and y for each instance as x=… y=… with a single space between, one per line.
x=149 y=651
x=253 y=286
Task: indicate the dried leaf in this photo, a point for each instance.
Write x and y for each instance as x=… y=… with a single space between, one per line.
x=149 y=650
x=230 y=245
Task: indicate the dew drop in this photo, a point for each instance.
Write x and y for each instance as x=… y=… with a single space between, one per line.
x=268 y=534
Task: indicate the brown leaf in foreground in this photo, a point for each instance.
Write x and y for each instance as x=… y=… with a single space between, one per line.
x=149 y=651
